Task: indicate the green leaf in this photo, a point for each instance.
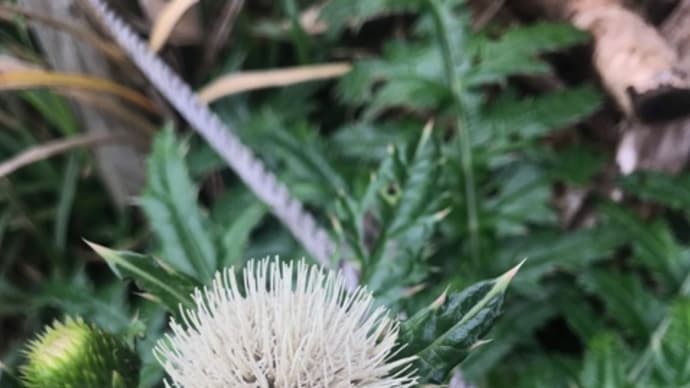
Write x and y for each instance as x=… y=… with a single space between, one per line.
x=54 y=109
x=551 y=250
x=668 y=190
x=339 y=14
x=604 y=365
x=627 y=301
x=532 y=368
x=522 y=195
x=512 y=117
x=403 y=203
x=308 y=167
x=671 y=353
x=577 y=164
x=514 y=329
x=654 y=244
x=373 y=141
x=579 y=312
x=170 y=203
x=106 y=304
x=161 y=283
x=516 y=51
x=442 y=334
x=413 y=75
x=235 y=239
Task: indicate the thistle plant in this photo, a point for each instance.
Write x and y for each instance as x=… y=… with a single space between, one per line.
x=285 y=325
x=74 y=354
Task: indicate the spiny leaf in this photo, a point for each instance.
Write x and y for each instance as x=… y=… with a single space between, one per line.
x=170 y=203
x=405 y=198
x=516 y=51
x=442 y=334
x=513 y=329
x=162 y=283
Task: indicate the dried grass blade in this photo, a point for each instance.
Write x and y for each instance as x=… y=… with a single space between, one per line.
x=50 y=149
x=167 y=20
x=29 y=79
x=252 y=80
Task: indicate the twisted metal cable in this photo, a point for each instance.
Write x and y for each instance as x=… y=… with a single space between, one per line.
x=239 y=157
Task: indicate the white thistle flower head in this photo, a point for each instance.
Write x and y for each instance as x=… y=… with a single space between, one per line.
x=292 y=327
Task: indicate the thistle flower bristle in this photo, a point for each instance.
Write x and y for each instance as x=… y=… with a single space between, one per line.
x=75 y=354
x=293 y=326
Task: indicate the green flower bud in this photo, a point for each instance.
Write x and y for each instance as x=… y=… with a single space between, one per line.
x=75 y=354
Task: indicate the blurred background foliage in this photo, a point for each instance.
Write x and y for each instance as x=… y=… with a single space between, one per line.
x=439 y=160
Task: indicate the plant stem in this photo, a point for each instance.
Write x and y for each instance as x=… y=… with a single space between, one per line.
x=299 y=37
x=464 y=135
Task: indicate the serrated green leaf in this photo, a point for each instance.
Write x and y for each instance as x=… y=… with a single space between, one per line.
x=442 y=334
x=671 y=353
x=669 y=190
x=162 y=283
x=310 y=171
x=339 y=14
x=513 y=329
x=522 y=195
x=407 y=69
x=627 y=301
x=170 y=203
x=516 y=51
x=512 y=118
x=604 y=365
x=655 y=247
x=373 y=140
x=576 y=165
x=406 y=199
x=551 y=250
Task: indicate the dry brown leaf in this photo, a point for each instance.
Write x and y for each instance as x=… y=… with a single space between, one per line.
x=172 y=23
x=31 y=79
x=252 y=80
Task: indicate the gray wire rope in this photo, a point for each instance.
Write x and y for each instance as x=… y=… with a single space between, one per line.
x=239 y=157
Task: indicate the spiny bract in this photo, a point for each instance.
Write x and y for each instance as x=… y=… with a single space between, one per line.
x=76 y=354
